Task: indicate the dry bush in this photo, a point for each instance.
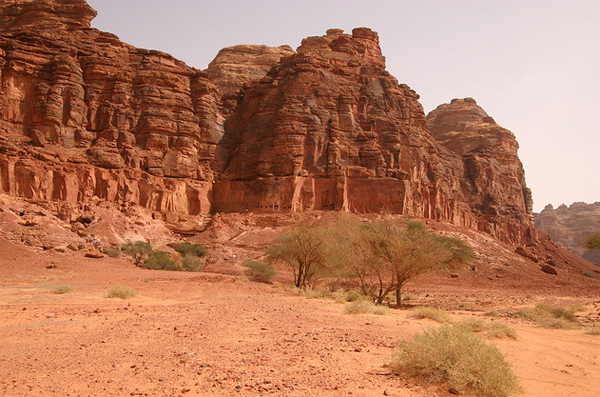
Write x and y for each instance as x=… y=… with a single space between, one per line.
x=431 y=313
x=63 y=289
x=192 y=263
x=459 y=358
x=365 y=307
x=494 y=329
x=259 y=271
x=121 y=291
x=593 y=331
x=550 y=316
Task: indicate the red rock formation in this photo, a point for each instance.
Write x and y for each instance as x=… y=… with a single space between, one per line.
x=83 y=114
x=569 y=226
x=330 y=128
x=493 y=174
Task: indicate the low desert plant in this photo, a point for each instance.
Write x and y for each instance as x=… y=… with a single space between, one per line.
x=499 y=330
x=550 y=316
x=63 y=289
x=472 y=324
x=138 y=250
x=432 y=313
x=121 y=291
x=112 y=252
x=160 y=260
x=192 y=263
x=593 y=331
x=365 y=307
x=259 y=271
x=589 y=274
x=459 y=358
x=192 y=249
x=353 y=296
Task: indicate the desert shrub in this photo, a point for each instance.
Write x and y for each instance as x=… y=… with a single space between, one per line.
x=192 y=263
x=160 y=260
x=259 y=271
x=365 y=307
x=498 y=329
x=472 y=324
x=192 y=249
x=459 y=358
x=121 y=291
x=494 y=329
x=353 y=296
x=112 y=252
x=589 y=274
x=138 y=250
x=550 y=316
x=63 y=289
x=492 y=314
x=432 y=313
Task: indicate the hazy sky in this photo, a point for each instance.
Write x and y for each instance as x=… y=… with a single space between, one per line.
x=533 y=65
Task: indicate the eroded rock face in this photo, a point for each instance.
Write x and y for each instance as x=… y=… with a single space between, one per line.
x=493 y=173
x=330 y=129
x=83 y=114
x=85 y=117
x=569 y=226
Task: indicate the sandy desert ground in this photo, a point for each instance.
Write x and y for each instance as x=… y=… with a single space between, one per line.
x=210 y=334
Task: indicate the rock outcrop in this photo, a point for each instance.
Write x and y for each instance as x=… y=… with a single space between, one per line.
x=84 y=117
x=493 y=173
x=83 y=114
x=569 y=226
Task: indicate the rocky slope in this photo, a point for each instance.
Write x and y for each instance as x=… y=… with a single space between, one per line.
x=569 y=226
x=86 y=119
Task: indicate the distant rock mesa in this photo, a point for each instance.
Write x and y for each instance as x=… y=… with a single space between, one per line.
x=84 y=117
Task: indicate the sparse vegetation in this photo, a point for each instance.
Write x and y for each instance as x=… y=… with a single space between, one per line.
x=112 y=252
x=353 y=296
x=589 y=274
x=138 y=250
x=63 y=289
x=459 y=358
x=494 y=329
x=192 y=263
x=160 y=260
x=121 y=291
x=593 y=242
x=259 y=271
x=192 y=249
x=550 y=316
x=365 y=307
x=431 y=313
x=593 y=331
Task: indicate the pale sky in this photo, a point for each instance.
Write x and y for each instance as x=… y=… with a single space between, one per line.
x=533 y=65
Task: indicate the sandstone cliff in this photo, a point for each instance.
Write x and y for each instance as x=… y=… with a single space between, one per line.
x=493 y=172
x=569 y=226
x=84 y=117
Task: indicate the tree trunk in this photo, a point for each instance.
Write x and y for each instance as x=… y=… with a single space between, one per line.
x=398 y=296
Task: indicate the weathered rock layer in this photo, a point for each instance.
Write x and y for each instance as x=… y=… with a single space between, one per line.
x=84 y=116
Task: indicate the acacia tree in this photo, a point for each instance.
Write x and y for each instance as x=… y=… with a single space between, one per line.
x=138 y=250
x=302 y=247
x=388 y=255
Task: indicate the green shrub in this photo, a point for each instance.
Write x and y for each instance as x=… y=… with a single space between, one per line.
x=589 y=274
x=432 y=313
x=121 y=291
x=455 y=356
x=192 y=249
x=259 y=271
x=353 y=296
x=365 y=307
x=112 y=252
x=138 y=250
x=160 y=260
x=192 y=263
x=63 y=289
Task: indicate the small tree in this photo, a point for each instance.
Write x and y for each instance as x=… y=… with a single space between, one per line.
x=593 y=242
x=160 y=260
x=138 y=250
x=388 y=255
x=303 y=248
x=259 y=271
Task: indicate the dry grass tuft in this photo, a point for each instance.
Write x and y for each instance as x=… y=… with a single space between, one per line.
x=431 y=313
x=121 y=291
x=63 y=289
x=459 y=358
x=365 y=307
